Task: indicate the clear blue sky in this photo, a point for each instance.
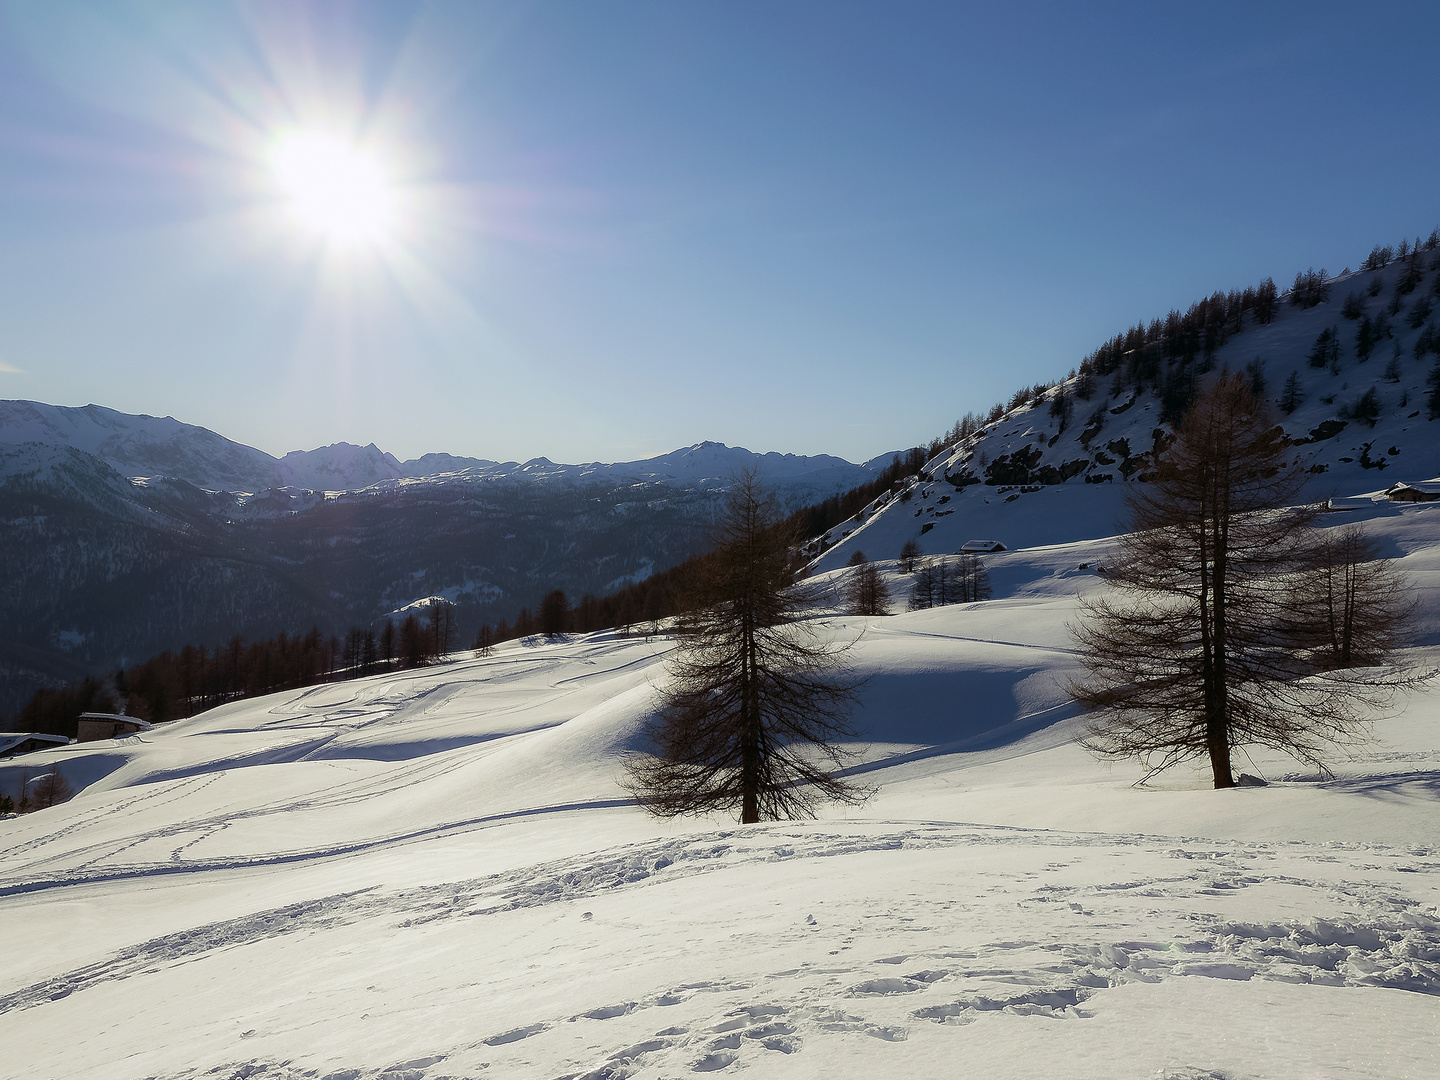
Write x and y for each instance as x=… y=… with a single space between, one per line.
x=615 y=228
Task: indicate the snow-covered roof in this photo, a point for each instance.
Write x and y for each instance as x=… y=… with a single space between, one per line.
x=140 y=725
x=11 y=739
x=1428 y=487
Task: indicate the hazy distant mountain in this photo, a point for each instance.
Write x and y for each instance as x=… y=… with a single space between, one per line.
x=141 y=445
x=127 y=535
x=164 y=447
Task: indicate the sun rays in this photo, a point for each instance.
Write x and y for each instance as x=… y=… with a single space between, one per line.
x=336 y=189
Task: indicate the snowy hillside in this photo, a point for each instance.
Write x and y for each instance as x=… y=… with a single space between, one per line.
x=436 y=874
x=1049 y=470
x=141 y=445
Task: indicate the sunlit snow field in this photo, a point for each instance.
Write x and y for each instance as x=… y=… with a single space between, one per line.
x=436 y=874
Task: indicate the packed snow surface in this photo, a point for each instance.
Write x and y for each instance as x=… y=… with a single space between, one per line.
x=437 y=874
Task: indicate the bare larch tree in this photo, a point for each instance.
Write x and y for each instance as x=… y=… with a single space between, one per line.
x=1229 y=607
x=757 y=705
x=1358 y=601
x=865 y=590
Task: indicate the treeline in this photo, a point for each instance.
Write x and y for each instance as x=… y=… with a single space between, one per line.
x=823 y=516
x=1164 y=353
x=658 y=597
x=665 y=594
x=174 y=685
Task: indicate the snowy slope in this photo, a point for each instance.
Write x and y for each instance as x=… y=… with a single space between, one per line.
x=141 y=445
x=436 y=874
x=1005 y=482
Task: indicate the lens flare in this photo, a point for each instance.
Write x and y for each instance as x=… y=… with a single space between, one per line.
x=335 y=188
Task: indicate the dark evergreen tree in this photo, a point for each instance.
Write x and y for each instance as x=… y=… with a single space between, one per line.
x=1293 y=396
x=1365 y=409
x=1426 y=342
x=441 y=629
x=910 y=551
x=554 y=614
x=756 y=710
x=1179 y=390
x=1061 y=408
x=1255 y=369
x=414 y=643
x=1320 y=353
x=1432 y=399
x=1365 y=340
x=1310 y=288
x=1266 y=297
x=865 y=591
x=484 y=640
x=1378 y=258
x=387 y=641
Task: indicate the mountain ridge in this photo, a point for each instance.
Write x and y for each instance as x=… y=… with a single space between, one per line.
x=141 y=445
x=1052 y=468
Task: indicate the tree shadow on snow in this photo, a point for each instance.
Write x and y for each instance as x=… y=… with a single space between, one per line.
x=952 y=712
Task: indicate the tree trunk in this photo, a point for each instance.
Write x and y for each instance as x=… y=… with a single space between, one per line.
x=1219 y=747
x=750 y=723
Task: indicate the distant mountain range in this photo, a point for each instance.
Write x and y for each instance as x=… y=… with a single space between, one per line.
x=127 y=535
x=148 y=446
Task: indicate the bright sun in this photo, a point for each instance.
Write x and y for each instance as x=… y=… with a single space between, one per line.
x=335 y=188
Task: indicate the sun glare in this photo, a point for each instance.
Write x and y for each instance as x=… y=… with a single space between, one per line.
x=335 y=188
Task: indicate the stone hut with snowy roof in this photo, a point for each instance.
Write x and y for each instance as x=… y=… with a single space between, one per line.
x=1425 y=491
x=97 y=725
x=24 y=742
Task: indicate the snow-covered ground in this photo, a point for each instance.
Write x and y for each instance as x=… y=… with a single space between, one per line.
x=436 y=874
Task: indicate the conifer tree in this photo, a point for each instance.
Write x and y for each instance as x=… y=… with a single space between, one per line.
x=484 y=641
x=865 y=591
x=757 y=705
x=1266 y=298
x=1293 y=395
x=554 y=614
x=1319 y=354
x=1365 y=340
x=1209 y=645
x=910 y=551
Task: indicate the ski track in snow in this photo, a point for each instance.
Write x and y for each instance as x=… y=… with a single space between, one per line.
x=1365 y=933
